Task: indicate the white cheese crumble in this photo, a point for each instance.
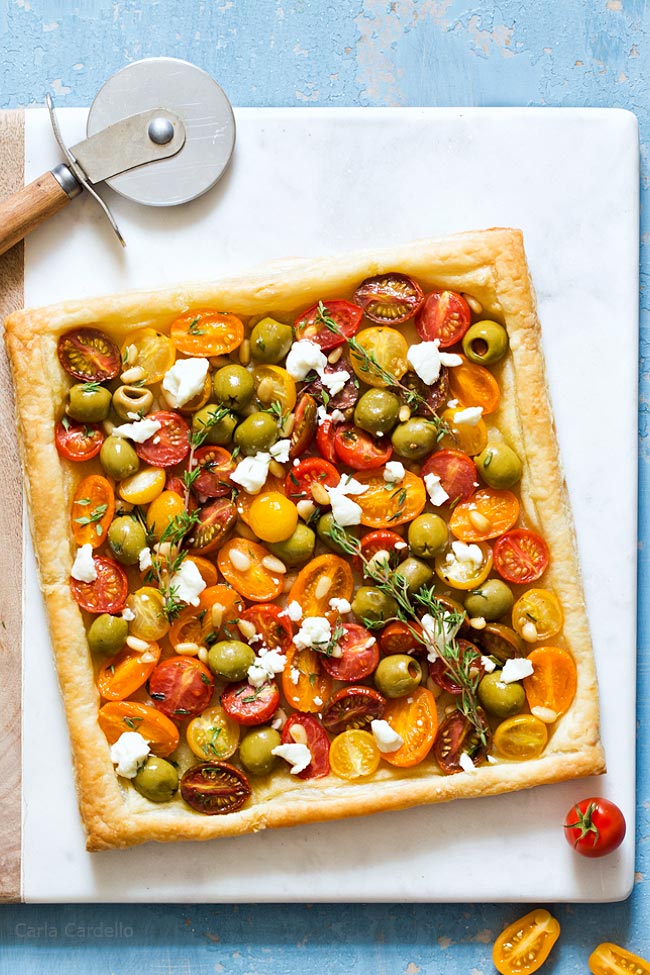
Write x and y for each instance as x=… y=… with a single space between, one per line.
x=345 y=511
x=334 y=381
x=83 y=568
x=488 y=664
x=435 y=490
x=450 y=359
x=188 y=583
x=322 y=415
x=127 y=614
x=144 y=559
x=294 y=611
x=297 y=755
x=294 y=674
x=452 y=404
x=318 y=701
x=267 y=665
x=466 y=762
x=139 y=431
x=304 y=356
x=280 y=451
x=128 y=753
x=394 y=471
x=469 y=416
x=337 y=416
x=438 y=633
x=342 y=605
x=184 y=381
x=315 y=632
x=462 y=552
x=251 y=472
x=424 y=359
x=386 y=738
x=516 y=668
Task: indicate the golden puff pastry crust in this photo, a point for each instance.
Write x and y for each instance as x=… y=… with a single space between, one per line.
x=491 y=266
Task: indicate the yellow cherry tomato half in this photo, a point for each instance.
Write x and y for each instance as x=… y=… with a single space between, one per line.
x=521 y=737
x=273 y=517
x=611 y=959
x=552 y=685
x=474 y=385
x=537 y=615
x=322 y=579
x=385 y=506
x=488 y=513
x=150 y=622
x=241 y=563
x=415 y=719
x=273 y=384
x=464 y=566
x=162 y=512
x=525 y=944
x=244 y=500
x=144 y=486
x=93 y=508
x=381 y=347
x=470 y=438
x=212 y=734
x=151 y=351
x=205 y=331
x=354 y=754
x=121 y=675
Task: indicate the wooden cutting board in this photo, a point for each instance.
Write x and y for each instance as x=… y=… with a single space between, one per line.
x=11 y=534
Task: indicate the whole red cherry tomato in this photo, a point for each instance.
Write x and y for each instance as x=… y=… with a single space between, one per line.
x=594 y=827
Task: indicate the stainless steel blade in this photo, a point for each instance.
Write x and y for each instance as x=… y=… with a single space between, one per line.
x=129 y=143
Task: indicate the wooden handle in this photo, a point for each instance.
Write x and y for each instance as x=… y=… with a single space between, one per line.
x=22 y=212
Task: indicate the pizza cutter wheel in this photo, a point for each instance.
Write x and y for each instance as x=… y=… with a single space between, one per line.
x=160 y=132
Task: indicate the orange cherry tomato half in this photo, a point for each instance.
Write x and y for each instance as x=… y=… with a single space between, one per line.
x=474 y=385
x=383 y=508
x=93 y=508
x=305 y=684
x=322 y=579
x=487 y=514
x=181 y=687
x=525 y=944
x=554 y=680
x=78 y=441
x=151 y=351
x=107 y=593
x=205 y=332
x=399 y=637
x=466 y=437
x=354 y=755
x=457 y=473
x=241 y=563
x=415 y=719
x=89 y=355
x=125 y=672
x=116 y=717
x=521 y=556
x=206 y=568
x=244 y=500
x=444 y=315
x=542 y=609
x=198 y=624
x=611 y=959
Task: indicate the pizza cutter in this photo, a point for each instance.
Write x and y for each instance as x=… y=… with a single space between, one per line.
x=160 y=132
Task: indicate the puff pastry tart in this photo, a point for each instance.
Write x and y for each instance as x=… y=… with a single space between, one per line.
x=304 y=542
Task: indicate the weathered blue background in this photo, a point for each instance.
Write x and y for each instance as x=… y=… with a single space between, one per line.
x=342 y=52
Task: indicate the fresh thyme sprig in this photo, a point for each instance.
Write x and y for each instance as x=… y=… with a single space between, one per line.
x=369 y=364
x=461 y=666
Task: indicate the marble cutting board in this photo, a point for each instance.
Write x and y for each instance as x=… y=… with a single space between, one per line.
x=307 y=182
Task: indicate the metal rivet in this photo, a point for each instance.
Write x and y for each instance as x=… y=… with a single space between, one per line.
x=160 y=131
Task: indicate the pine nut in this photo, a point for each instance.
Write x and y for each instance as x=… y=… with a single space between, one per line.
x=279 y=719
x=323 y=587
x=217 y=361
x=265 y=392
x=547 y=715
x=479 y=521
x=274 y=565
x=216 y=615
x=473 y=303
x=108 y=426
x=245 y=352
x=203 y=655
x=306 y=509
x=187 y=649
x=276 y=468
x=240 y=561
x=288 y=423
x=135 y=643
x=299 y=734
x=318 y=493
x=334 y=356
x=133 y=375
x=131 y=354
x=246 y=628
x=529 y=632
x=289 y=580
x=404 y=413
x=148 y=658
x=245 y=532
x=478 y=623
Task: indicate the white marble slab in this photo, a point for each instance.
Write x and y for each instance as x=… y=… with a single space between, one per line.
x=307 y=182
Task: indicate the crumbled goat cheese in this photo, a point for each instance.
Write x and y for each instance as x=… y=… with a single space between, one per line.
x=469 y=416
x=337 y=416
x=334 y=381
x=280 y=451
x=139 y=431
x=127 y=614
x=342 y=605
x=435 y=490
x=438 y=633
x=144 y=559
x=424 y=359
x=251 y=472
x=466 y=762
x=450 y=359
x=184 y=381
x=294 y=674
x=516 y=668
x=314 y=632
x=294 y=611
x=297 y=755
x=345 y=511
x=488 y=664
x=83 y=567
x=129 y=752
x=394 y=471
x=304 y=356
x=387 y=739
x=267 y=665
x=187 y=583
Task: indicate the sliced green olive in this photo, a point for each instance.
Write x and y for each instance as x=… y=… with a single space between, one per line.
x=132 y=399
x=397 y=675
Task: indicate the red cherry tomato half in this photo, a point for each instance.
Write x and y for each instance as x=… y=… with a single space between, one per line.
x=251 y=705
x=521 y=556
x=325 y=441
x=216 y=467
x=352 y=707
x=594 y=827
x=389 y=299
x=457 y=473
x=359 y=450
x=382 y=540
x=269 y=622
x=457 y=735
x=314 y=470
x=311 y=323
x=359 y=654
x=305 y=426
x=445 y=315
x=107 y=593
x=399 y=637
x=89 y=355
x=215 y=788
x=181 y=687
x=439 y=672
x=78 y=441
x=168 y=446
x=317 y=742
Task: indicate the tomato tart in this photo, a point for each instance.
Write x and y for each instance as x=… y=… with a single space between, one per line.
x=305 y=543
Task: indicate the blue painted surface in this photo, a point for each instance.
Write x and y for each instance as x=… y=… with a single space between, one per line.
x=344 y=52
